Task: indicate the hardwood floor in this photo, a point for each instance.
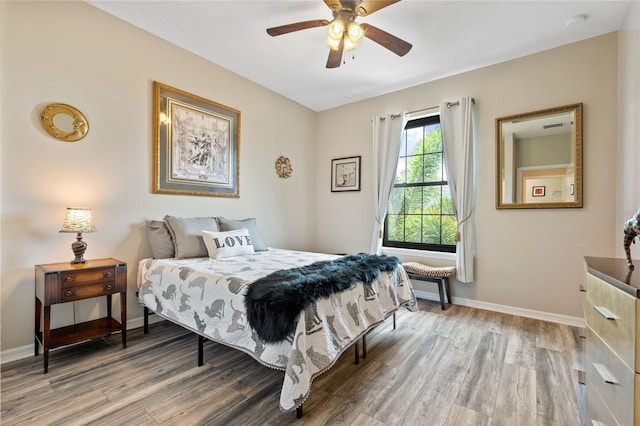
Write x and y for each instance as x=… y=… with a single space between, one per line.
x=462 y=366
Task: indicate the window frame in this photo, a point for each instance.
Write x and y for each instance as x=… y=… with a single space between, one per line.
x=423 y=120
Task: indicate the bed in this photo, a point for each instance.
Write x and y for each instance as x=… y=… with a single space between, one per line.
x=207 y=296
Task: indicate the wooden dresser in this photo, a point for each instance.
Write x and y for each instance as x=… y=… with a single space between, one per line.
x=612 y=363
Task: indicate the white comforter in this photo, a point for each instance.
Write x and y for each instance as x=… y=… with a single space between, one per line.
x=206 y=296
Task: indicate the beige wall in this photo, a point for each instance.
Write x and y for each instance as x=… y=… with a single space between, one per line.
x=73 y=53
x=628 y=199
x=528 y=259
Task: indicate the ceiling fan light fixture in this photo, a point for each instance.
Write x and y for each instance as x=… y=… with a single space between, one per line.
x=336 y=29
x=348 y=44
x=332 y=43
x=355 y=32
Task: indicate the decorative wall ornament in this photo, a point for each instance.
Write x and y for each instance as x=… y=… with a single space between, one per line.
x=64 y=122
x=283 y=167
x=197 y=145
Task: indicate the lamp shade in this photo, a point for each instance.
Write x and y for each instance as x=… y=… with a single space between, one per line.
x=78 y=220
x=355 y=32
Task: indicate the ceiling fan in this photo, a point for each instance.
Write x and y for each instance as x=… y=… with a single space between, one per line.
x=344 y=32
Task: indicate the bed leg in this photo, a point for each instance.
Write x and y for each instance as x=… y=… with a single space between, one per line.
x=299 y=412
x=357 y=353
x=146 y=320
x=200 y=350
x=364 y=345
x=394 y=320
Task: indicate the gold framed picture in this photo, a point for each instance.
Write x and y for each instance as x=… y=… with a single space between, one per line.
x=197 y=145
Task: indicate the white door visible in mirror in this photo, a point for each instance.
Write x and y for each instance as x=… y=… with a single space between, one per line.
x=539 y=159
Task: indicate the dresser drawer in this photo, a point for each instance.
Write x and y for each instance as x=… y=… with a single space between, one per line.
x=87 y=276
x=596 y=411
x=69 y=294
x=611 y=313
x=611 y=378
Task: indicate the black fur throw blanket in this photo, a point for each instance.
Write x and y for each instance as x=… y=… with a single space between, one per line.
x=273 y=303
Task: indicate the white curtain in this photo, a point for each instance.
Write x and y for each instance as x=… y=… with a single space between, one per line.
x=387 y=136
x=459 y=145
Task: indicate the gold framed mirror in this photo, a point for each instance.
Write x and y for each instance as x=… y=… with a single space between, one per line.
x=539 y=159
x=283 y=167
x=64 y=122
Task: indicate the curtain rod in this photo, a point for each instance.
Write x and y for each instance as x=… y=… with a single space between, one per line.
x=449 y=105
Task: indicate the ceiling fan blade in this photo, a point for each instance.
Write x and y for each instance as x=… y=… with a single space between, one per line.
x=335 y=56
x=297 y=26
x=367 y=7
x=384 y=39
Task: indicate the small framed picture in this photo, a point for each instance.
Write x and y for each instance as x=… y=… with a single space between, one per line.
x=537 y=191
x=345 y=174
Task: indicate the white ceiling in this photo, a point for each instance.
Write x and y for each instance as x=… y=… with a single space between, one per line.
x=448 y=37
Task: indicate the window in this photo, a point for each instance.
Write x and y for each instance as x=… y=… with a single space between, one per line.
x=421 y=212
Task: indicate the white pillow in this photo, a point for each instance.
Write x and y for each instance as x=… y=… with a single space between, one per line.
x=227 y=244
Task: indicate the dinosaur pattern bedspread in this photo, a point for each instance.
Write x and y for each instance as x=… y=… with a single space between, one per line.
x=207 y=297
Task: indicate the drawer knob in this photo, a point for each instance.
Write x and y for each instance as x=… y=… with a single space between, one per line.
x=109 y=274
x=109 y=287
x=69 y=279
x=69 y=293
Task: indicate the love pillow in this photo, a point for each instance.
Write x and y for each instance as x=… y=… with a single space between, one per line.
x=229 y=243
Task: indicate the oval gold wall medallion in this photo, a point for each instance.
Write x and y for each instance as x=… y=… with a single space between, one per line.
x=64 y=122
x=283 y=167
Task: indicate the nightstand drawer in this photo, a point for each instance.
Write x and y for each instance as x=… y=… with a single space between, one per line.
x=87 y=276
x=611 y=313
x=610 y=378
x=69 y=294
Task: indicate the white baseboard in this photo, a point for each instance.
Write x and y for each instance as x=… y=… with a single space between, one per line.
x=15 y=354
x=529 y=313
x=26 y=351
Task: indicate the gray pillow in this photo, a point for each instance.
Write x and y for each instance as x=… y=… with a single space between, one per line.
x=250 y=223
x=160 y=239
x=186 y=233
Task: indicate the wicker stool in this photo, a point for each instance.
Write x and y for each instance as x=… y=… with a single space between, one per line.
x=436 y=274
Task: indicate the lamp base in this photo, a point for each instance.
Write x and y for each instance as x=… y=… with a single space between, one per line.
x=79 y=247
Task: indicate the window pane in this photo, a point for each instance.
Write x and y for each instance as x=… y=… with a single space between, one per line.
x=414 y=137
x=413 y=224
x=431 y=229
x=415 y=168
x=395 y=227
x=431 y=201
x=447 y=202
x=414 y=200
x=433 y=167
x=449 y=229
x=433 y=139
x=396 y=201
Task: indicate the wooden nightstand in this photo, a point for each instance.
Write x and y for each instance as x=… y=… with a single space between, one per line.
x=63 y=282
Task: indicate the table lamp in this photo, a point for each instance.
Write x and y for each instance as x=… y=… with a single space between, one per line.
x=78 y=220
